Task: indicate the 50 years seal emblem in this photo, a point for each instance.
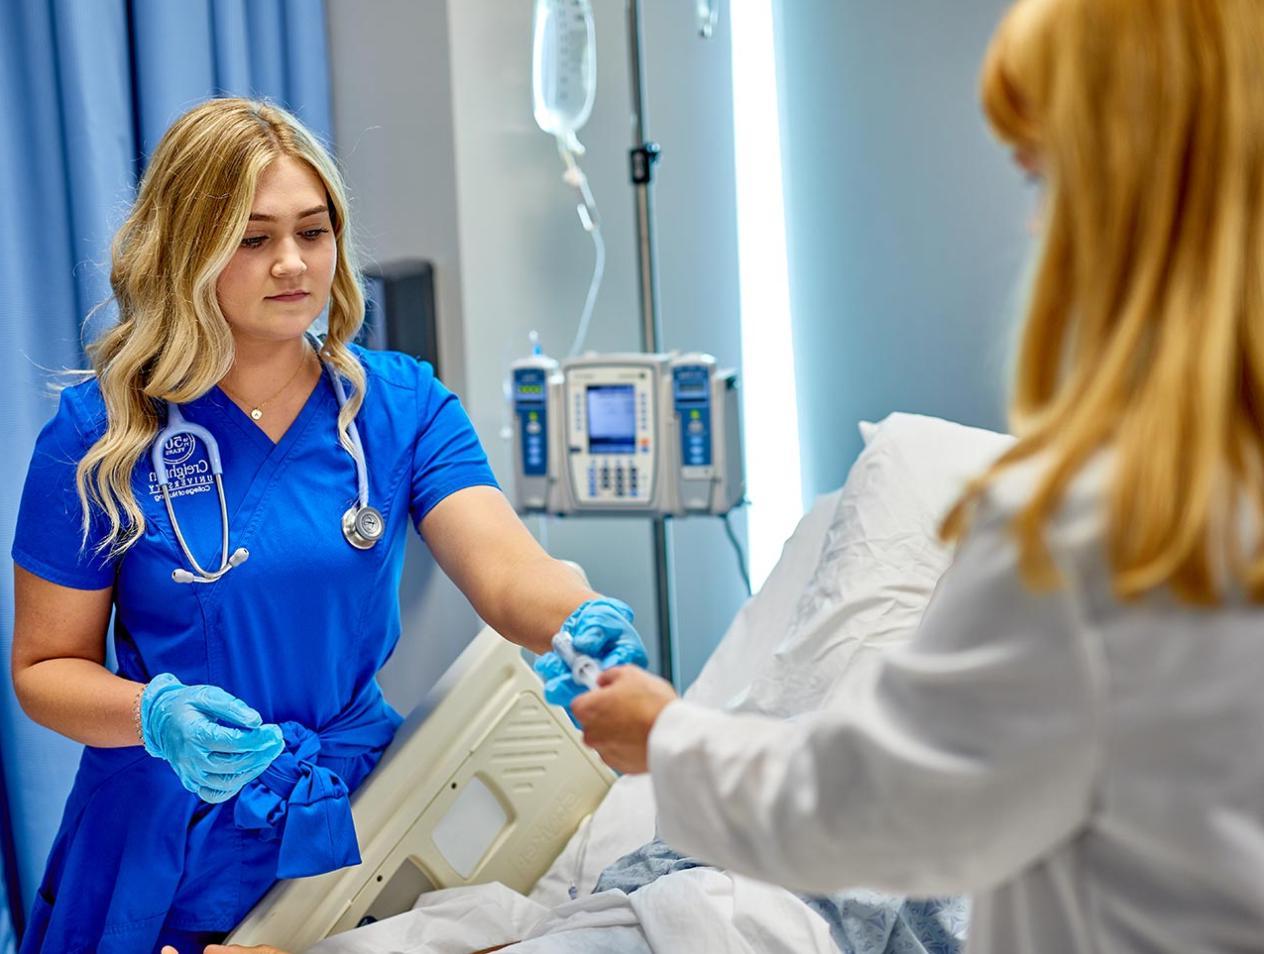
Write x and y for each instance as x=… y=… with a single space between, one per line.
x=178 y=449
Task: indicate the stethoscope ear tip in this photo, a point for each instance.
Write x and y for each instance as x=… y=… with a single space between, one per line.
x=240 y=556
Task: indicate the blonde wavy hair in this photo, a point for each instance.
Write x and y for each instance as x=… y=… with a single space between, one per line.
x=171 y=342
x=1145 y=330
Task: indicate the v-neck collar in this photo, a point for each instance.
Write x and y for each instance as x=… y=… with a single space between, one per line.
x=271 y=458
x=231 y=413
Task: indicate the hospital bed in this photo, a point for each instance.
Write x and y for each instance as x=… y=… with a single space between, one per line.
x=484 y=782
x=488 y=790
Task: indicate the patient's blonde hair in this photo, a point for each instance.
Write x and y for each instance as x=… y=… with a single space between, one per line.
x=171 y=341
x=1145 y=331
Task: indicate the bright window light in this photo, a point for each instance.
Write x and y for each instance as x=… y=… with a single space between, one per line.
x=773 y=475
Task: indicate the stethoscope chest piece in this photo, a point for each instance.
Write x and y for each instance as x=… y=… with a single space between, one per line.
x=363 y=526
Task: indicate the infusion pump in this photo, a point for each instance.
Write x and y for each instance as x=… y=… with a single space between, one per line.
x=626 y=434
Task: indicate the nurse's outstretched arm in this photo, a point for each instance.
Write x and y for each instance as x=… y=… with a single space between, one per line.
x=515 y=587
x=58 y=663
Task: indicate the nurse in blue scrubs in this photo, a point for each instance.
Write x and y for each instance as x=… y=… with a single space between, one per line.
x=238 y=495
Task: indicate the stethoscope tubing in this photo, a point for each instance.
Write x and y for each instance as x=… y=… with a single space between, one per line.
x=176 y=425
x=353 y=432
x=200 y=575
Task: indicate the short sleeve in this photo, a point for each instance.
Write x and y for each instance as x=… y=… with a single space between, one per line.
x=48 y=540
x=448 y=456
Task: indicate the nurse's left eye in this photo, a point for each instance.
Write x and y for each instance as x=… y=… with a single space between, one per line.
x=313 y=234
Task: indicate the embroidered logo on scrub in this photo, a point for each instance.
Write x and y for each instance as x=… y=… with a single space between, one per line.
x=187 y=475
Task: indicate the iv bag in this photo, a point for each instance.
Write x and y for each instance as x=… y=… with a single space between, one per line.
x=564 y=68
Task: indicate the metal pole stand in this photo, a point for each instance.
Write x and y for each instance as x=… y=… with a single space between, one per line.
x=643 y=156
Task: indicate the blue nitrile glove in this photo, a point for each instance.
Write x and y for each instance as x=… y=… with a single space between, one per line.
x=185 y=726
x=600 y=628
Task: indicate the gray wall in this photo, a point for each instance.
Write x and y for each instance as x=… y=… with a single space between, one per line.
x=906 y=224
x=393 y=131
x=432 y=110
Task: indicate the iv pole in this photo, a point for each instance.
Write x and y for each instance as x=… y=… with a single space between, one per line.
x=643 y=155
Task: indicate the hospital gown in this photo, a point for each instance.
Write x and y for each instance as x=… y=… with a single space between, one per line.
x=299 y=632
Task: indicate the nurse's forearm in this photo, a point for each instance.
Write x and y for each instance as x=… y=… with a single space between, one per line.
x=514 y=586
x=81 y=700
x=538 y=602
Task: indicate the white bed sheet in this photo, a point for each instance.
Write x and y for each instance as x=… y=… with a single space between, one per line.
x=702 y=911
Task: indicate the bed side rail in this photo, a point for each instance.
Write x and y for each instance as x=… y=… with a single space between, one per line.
x=483 y=782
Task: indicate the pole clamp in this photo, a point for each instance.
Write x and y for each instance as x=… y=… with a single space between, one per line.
x=643 y=158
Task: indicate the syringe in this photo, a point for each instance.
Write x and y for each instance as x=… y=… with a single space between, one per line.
x=584 y=669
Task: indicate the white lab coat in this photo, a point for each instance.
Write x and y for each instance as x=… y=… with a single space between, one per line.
x=1091 y=771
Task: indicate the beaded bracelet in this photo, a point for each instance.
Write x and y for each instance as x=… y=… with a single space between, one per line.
x=140 y=735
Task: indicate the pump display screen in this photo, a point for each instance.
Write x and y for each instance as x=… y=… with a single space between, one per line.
x=612 y=419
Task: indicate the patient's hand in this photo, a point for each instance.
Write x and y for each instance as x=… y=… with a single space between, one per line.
x=617 y=717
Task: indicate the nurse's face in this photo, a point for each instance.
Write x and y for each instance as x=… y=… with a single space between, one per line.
x=278 y=280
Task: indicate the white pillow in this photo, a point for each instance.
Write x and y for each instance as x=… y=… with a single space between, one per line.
x=880 y=559
x=747 y=646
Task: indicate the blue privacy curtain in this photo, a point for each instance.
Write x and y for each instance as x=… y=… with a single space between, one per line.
x=86 y=89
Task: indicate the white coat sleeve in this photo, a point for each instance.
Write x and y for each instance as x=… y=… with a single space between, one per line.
x=963 y=757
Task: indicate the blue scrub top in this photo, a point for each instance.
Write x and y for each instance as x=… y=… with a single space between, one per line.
x=299 y=632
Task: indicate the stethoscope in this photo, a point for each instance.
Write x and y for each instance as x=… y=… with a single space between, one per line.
x=362 y=524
